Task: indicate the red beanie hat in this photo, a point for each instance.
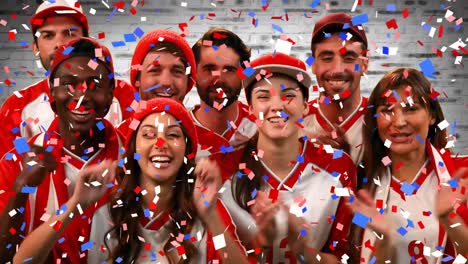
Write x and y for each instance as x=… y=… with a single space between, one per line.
x=172 y=107
x=50 y=9
x=337 y=21
x=278 y=63
x=162 y=35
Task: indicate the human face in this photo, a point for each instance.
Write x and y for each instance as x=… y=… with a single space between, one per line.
x=164 y=71
x=339 y=74
x=54 y=33
x=82 y=94
x=218 y=85
x=401 y=123
x=161 y=144
x=278 y=106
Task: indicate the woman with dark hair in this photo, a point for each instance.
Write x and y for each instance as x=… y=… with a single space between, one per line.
x=408 y=176
x=160 y=211
x=286 y=196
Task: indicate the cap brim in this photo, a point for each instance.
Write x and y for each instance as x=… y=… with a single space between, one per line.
x=280 y=68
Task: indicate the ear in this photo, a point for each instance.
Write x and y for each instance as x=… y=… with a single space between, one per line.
x=313 y=68
x=433 y=119
x=365 y=65
x=306 y=108
x=35 y=48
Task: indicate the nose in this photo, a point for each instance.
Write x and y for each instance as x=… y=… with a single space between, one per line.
x=165 y=78
x=277 y=104
x=161 y=142
x=399 y=118
x=59 y=41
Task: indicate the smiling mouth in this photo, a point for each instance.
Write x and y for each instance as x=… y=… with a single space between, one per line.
x=277 y=120
x=81 y=116
x=401 y=138
x=160 y=162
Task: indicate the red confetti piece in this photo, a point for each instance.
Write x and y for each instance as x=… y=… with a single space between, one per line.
x=434 y=94
x=160 y=142
x=394 y=208
x=342 y=50
x=379 y=203
x=345 y=94
x=439 y=53
x=137 y=189
x=420 y=43
x=426 y=213
x=191 y=18
x=12 y=231
x=133 y=11
x=421 y=225
x=212 y=14
x=147 y=246
x=463 y=49
x=398 y=165
x=57 y=225
x=7 y=82
x=369 y=246
x=219 y=36
x=405 y=13
x=101 y=35
x=299 y=124
x=441 y=31
x=273 y=195
x=392 y=24
x=119 y=5
x=14 y=16
x=11 y=36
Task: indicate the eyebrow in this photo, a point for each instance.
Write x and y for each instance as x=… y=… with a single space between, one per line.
x=169 y=127
x=351 y=52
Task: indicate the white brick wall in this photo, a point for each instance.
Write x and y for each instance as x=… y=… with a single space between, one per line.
x=169 y=13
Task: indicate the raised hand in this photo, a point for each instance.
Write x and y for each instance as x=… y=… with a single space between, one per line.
x=449 y=198
x=92 y=181
x=264 y=211
x=207 y=184
x=364 y=204
x=36 y=164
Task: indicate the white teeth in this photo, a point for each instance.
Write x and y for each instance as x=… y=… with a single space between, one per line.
x=277 y=119
x=163 y=95
x=336 y=83
x=80 y=112
x=160 y=159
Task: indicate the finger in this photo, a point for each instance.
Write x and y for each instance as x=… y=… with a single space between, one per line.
x=365 y=197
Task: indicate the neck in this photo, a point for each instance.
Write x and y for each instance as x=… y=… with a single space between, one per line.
x=408 y=165
x=216 y=120
x=335 y=111
x=79 y=144
x=166 y=197
x=278 y=154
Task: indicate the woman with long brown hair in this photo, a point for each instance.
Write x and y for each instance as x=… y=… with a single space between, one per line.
x=165 y=207
x=407 y=206
x=285 y=198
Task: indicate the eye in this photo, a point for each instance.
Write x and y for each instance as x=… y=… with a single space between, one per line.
x=231 y=69
x=327 y=58
x=349 y=58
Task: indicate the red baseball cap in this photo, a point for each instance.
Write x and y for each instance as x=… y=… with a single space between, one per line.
x=162 y=35
x=335 y=23
x=278 y=63
x=48 y=10
x=170 y=106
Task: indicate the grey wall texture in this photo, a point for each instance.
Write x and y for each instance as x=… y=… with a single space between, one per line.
x=425 y=30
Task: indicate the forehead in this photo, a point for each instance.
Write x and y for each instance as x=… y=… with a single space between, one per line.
x=59 y=23
x=160 y=118
x=163 y=57
x=399 y=94
x=222 y=55
x=278 y=81
x=335 y=43
x=81 y=67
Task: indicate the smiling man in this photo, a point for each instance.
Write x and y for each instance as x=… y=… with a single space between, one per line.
x=340 y=52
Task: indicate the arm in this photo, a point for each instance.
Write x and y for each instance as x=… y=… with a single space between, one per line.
x=36 y=165
x=206 y=189
x=449 y=199
x=40 y=242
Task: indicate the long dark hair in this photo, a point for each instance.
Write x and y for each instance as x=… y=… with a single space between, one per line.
x=129 y=246
x=374 y=149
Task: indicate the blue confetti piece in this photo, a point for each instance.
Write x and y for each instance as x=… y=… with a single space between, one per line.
x=87 y=245
x=337 y=154
x=100 y=125
x=373 y=260
x=265 y=177
x=284 y=114
x=24 y=43
x=109 y=18
x=402 y=231
x=356 y=67
x=407 y=188
x=9 y=156
x=147 y=212
x=28 y=189
x=300 y=120
x=426 y=27
x=385 y=50
x=327 y=35
x=396 y=95
x=256 y=22
x=420 y=139
x=335 y=174
x=206 y=203
x=226 y=149
x=326 y=100
x=343 y=36
x=409 y=223
x=49 y=148
x=121 y=163
x=67 y=50
x=152 y=87
x=427 y=68
x=310 y=60
x=454 y=127
x=304 y=210
x=303 y=232
x=360 y=19
x=61 y=240
x=119 y=260
x=136 y=156
x=21 y=145
x=138 y=32
x=277 y=28
x=314 y=3
x=360 y=220
x=391 y=7
x=447 y=259
x=453 y=183
x=334 y=197
x=15 y=130
x=248 y=71
x=47 y=73
x=252 y=14
x=136 y=96
x=129 y=37
x=27 y=259
x=254 y=193
x=264 y=2
x=440 y=164
x=300 y=159
x=117 y=44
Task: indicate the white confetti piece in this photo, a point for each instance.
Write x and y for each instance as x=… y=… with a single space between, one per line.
x=443 y=125
x=92 y=11
x=219 y=241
